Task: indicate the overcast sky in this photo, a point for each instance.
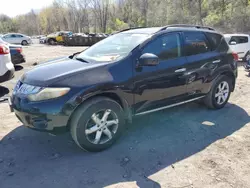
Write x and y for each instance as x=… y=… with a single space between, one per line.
x=15 y=7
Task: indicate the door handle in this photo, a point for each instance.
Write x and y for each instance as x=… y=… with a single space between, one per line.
x=181 y=70
x=216 y=61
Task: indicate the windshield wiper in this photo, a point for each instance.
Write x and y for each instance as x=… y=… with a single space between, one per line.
x=73 y=55
x=82 y=60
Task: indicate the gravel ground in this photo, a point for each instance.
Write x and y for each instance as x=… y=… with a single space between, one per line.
x=187 y=146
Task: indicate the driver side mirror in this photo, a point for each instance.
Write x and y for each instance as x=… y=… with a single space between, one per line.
x=148 y=59
x=233 y=43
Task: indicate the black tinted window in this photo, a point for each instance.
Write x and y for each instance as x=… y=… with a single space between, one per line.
x=19 y=36
x=165 y=47
x=195 y=43
x=223 y=47
x=214 y=39
x=217 y=42
x=239 y=39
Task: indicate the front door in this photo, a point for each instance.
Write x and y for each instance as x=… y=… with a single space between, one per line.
x=163 y=84
x=9 y=38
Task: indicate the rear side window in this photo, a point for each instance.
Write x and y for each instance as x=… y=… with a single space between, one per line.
x=195 y=43
x=217 y=42
x=239 y=39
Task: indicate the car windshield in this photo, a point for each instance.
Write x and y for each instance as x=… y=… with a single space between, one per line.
x=113 y=48
x=227 y=38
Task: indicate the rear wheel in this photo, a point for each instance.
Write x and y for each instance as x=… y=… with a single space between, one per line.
x=97 y=124
x=247 y=57
x=218 y=96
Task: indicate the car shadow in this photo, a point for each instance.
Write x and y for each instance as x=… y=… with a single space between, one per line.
x=3 y=91
x=18 y=67
x=152 y=143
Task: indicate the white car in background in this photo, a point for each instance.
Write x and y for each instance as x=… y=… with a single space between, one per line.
x=240 y=44
x=17 y=38
x=6 y=66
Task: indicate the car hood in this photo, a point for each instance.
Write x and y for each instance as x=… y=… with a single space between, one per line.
x=53 y=71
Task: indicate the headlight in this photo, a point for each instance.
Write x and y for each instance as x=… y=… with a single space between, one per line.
x=48 y=93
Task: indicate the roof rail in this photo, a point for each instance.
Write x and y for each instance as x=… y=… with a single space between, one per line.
x=187 y=25
x=128 y=29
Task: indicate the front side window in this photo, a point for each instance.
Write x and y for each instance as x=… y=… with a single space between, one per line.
x=113 y=48
x=7 y=36
x=195 y=43
x=165 y=47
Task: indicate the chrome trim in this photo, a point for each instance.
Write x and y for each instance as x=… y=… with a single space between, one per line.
x=180 y=70
x=169 y=106
x=216 y=61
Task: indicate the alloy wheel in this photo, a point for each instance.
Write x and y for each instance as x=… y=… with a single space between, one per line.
x=222 y=93
x=102 y=126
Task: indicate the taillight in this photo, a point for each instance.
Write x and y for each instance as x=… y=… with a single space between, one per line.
x=19 y=50
x=4 y=50
x=236 y=57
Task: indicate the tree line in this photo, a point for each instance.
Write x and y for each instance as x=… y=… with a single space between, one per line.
x=108 y=16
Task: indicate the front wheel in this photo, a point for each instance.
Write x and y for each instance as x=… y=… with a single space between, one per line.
x=51 y=41
x=219 y=95
x=24 y=43
x=97 y=124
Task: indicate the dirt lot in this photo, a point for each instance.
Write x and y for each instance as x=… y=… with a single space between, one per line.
x=187 y=146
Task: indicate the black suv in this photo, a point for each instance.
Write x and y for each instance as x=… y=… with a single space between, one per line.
x=134 y=72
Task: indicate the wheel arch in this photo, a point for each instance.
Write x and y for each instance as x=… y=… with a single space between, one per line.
x=111 y=95
x=230 y=75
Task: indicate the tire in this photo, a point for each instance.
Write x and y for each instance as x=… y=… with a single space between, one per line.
x=247 y=57
x=212 y=98
x=51 y=41
x=24 y=43
x=83 y=121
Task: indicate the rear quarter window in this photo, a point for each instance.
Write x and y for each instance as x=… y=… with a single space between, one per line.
x=217 y=42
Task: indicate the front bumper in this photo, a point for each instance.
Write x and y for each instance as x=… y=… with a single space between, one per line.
x=42 y=116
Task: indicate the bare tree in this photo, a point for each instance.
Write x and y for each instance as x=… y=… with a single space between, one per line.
x=101 y=13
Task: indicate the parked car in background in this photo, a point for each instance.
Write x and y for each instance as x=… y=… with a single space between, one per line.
x=131 y=73
x=17 y=38
x=57 y=37
x=239 y=43
x=43 y=40
x=6 y=66
x=17 y=56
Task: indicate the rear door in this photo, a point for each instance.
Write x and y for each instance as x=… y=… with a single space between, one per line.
x=161 y=85
x=202 y=58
